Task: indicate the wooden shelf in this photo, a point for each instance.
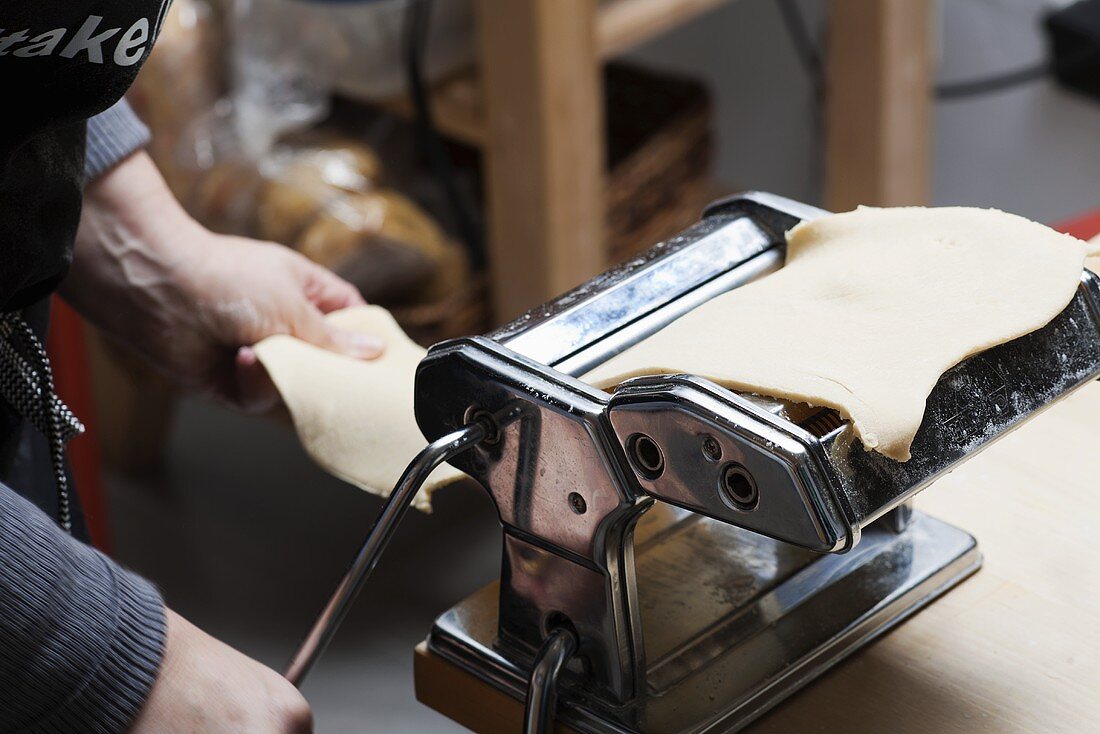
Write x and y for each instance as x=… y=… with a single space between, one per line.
x=623 y=24
x=457 y=102
x=534 y=108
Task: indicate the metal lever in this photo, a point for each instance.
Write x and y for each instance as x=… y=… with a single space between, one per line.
x=396 y=506
x=542 y=688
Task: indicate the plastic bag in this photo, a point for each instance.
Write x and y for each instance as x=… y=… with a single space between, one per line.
x=182 y=81
x=321 y=192
x=281 y=63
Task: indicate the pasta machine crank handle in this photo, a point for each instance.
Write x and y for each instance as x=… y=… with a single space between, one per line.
x=434 y=454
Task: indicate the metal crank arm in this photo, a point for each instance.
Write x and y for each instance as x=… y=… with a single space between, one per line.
x=542 y=688
x=434 y=454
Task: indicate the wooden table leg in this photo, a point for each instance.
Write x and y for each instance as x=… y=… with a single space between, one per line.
x=878 y=103
x=544 y=148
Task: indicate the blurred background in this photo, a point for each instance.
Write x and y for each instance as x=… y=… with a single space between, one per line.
x=463 y=160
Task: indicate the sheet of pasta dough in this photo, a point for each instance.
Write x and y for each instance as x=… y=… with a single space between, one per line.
x=355 y=417
x=872 y=307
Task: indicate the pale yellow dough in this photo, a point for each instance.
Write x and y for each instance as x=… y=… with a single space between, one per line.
x=1093 y=261
x=354 y=417
x=870 y=310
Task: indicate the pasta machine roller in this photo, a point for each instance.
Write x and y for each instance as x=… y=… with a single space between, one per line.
x=681 y=557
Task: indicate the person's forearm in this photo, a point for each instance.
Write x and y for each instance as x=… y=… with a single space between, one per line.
x=192 y=301
x=81 y=639
x=88 y=648
x=133 y=242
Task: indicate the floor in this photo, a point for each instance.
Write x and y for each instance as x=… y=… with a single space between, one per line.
x=249 y=542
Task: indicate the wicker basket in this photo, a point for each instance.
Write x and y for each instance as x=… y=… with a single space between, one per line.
x=460 y=313
x=659 y=151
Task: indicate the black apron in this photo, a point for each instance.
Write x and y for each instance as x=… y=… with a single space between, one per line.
x=60 y=64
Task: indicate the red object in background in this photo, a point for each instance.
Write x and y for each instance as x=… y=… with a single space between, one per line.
x=1083 y=227
x=72 y=380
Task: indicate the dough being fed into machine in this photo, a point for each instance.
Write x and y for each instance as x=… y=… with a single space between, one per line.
x=872 y=307
x=355 y=417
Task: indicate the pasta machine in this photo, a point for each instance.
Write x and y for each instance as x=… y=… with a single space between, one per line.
x=679 y=557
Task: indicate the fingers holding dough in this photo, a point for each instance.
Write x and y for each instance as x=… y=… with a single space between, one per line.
x=354 y=417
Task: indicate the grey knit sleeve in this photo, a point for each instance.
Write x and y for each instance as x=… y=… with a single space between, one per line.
x=113 y=134
x=81 y=639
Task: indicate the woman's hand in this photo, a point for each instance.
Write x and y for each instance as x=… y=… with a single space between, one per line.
x=191 y=301
x=206 y=686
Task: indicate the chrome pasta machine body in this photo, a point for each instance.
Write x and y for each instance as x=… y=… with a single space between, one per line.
x=697 y=553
